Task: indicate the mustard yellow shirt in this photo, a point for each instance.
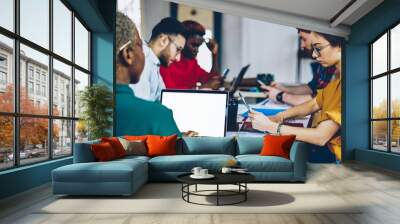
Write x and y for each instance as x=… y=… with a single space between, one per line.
x=329 y=99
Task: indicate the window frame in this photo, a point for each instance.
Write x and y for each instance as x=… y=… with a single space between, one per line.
x=388 y=74
x=16 y=115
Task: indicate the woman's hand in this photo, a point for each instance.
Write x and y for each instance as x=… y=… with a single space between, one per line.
x=277 y=118
x=190 y=134
x=213 y=46
x=262 y=123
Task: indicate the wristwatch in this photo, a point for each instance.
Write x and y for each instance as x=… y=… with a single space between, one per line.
x=279 y=97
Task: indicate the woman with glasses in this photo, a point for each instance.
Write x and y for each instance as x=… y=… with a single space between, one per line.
x=327 y=51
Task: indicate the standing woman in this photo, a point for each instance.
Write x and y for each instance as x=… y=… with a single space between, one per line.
x=327 y=51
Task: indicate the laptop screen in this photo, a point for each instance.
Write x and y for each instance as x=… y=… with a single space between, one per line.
x=202 y=111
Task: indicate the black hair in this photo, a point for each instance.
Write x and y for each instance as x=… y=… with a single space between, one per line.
x=334 y=41
x=168 y=25
x=193 y=28
x=303 y=30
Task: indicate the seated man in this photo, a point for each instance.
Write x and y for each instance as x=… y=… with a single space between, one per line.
x=135 y=116
x=165 y=46
x=296 y=95
x=185 y=73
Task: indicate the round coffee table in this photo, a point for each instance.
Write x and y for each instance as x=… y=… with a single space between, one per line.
x=238 y=179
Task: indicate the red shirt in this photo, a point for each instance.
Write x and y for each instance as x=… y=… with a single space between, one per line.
x=184 y=74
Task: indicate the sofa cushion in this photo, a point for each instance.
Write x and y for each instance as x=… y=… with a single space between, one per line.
x=207 y=145
x=135 y=147
x=112 y=171
x=277 y=145
x=103 y=152
x=161 y=145
x=249 y=145
x=185 y=163
x=116 y=145
x=257 y=163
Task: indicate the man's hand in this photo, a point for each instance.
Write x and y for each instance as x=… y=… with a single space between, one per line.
x=190 y=134
x=213 y=46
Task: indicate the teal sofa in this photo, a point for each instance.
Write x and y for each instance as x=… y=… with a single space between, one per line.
x=125 y=176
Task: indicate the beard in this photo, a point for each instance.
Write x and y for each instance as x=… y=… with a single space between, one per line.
x=164 y=57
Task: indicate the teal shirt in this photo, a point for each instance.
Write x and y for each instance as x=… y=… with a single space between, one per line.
x=135 y=116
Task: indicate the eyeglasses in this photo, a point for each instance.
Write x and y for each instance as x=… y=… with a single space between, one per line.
x=125 y=45
x=318 y=50
x=178 y=48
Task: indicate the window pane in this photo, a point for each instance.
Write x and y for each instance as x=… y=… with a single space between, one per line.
x=395 y=47
x=6 y=74
x=379 y=97
x=62 y=89
x=33 y=139
x=81 y=45
x=81 y=81
x=62 y=29
x=62 y=138
x=35 y=21
x=6 y=142
x=81 y=131
x=395 y=94
x=7 y=14
x=34 y=97
x=395 y=136
x=379 y=55
x=379 y=135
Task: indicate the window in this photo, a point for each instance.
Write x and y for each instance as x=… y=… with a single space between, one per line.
x=385 y=96
x=30 y=87
x=7 y=14
x=34 y=22
x=62 y=29
x=30 y=72
x=3 y=78
x=44 y=91
x=45 y=131
x=3 y=72
x=38 y=89
x=81 y=45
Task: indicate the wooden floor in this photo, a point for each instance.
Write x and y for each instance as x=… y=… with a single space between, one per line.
x=377 y=188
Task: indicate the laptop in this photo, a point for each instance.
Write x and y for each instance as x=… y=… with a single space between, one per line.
x=198 y=110
x=239 y=78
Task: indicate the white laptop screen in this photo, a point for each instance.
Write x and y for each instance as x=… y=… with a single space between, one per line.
x=201 y=111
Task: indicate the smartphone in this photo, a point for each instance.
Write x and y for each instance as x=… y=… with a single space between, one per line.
x=225 y=73
x=261 y=83
x=245 y=104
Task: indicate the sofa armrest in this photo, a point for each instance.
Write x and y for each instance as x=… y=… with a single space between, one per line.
x=299 y=156
x=83 y=152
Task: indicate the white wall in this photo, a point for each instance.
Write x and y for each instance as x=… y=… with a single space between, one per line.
x=152 y=12
x=269 y=48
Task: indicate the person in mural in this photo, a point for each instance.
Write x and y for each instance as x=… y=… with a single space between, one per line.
x=135 y=116
x=165 y=46
x=296 y=95
x=186 y=73
x=327 y=51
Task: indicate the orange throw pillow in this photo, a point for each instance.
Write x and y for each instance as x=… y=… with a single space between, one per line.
x=136 y=138
x=275 y=145
x=103 y=151
x=116 y=145
x=161 y=145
